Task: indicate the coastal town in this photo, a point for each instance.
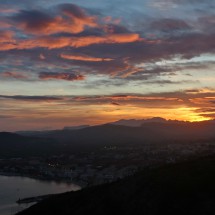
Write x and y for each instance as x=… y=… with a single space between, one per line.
x=104 y=165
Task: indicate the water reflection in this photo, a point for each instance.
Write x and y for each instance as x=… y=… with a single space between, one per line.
x=13 y=188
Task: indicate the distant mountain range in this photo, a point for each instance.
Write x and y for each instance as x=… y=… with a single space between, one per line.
x=142 y=122
x=139 y=122
x=156 y=130
x=76 y=127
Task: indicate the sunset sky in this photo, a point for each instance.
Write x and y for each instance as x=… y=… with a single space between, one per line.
x=68 y=62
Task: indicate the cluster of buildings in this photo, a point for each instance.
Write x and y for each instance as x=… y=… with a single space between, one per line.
x=105 y=165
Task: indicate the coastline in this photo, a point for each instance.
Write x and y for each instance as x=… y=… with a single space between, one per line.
x=20 y=191
x=47 y=179
x=34 y=199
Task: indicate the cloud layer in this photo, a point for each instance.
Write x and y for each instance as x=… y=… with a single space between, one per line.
x=133 y=56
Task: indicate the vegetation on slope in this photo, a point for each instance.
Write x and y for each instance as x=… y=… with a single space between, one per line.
x=184 y=188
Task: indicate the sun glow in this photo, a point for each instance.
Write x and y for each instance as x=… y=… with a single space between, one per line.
x=190 y=114
x=110 y=113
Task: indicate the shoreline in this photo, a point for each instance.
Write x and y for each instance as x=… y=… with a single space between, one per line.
x=17 y=198
x=34 y=199
x=78 y=183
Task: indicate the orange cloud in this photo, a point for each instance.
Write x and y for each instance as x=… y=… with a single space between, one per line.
x=61 y=42
x=84 y=58
x=6 y=37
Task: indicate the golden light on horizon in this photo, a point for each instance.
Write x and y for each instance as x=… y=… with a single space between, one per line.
x=191 y=115
x=68 y=111
x=109 y=113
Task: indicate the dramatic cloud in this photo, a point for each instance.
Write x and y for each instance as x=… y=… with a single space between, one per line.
x=72 y=20
x=61 y=42
x=101 y=61
x=62 y=76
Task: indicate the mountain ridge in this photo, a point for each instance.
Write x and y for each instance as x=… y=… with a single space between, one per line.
x=67 y=141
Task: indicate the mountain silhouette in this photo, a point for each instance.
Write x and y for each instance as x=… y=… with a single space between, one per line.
x=89 y=138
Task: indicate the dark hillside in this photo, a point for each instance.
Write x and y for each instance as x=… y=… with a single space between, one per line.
x=184 y=188
x=15 y=145
x=118 y=134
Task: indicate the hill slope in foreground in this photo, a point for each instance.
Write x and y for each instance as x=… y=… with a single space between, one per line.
x=184 y=188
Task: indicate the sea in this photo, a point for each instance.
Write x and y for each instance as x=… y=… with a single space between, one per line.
x=13 y=188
